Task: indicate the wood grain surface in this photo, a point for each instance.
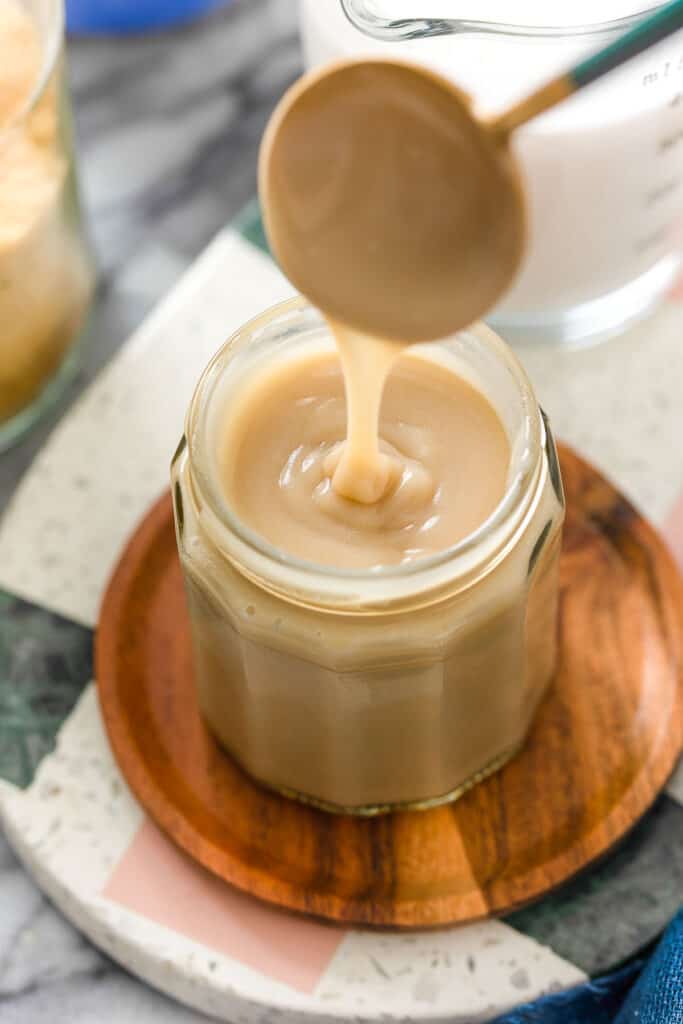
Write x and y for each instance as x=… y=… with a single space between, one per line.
x=605 y=740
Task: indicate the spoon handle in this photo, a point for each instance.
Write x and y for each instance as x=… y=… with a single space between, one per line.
x=646 y=33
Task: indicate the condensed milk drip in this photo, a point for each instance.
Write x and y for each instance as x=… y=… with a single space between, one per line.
x=360 y=469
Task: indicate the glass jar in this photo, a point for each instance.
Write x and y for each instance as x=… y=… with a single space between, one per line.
x=603 y=170
x=365 y=690
x=45 y=264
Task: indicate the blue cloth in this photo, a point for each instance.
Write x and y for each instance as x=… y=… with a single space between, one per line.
x=123 y=16
x=641 y=993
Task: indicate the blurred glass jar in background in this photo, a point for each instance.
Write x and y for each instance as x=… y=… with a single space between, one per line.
x=46 y=270
x=604 y=171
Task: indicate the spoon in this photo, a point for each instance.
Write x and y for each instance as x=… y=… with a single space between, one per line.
x=390 y=206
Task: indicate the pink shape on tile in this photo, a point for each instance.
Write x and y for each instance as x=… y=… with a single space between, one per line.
x=674 y=527
x=677 y=291
x=157 y=880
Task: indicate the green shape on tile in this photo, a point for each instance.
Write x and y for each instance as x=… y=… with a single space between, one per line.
x=45 y=662
x=619 y=906
x=250 y=226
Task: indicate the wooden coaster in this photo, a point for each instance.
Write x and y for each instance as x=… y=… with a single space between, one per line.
x=603 y=745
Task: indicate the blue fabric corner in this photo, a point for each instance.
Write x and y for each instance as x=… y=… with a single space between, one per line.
x=640 y=993
x=657 y=996
x=595 y=1003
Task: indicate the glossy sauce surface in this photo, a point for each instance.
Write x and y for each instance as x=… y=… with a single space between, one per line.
x=442 y=451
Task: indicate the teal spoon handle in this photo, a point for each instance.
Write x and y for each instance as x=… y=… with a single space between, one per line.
x=650 y=30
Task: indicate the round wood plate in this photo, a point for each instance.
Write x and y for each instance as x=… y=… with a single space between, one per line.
x=604 y=743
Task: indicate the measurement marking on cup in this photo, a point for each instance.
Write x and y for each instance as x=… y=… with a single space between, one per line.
x=655 y=238
x=662 y=192
x=668 y=68
x=670 y=141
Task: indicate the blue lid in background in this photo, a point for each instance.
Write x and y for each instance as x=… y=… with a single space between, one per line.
x=132 y=15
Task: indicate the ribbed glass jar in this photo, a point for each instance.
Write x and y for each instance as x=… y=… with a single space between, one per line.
x=366 y=690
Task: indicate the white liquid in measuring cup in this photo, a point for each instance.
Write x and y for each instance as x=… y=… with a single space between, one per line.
x=604 y=171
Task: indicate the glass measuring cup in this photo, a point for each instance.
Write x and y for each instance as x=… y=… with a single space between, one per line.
x=603 y=171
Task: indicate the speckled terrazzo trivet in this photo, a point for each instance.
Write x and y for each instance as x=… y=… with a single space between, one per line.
x=71 y=817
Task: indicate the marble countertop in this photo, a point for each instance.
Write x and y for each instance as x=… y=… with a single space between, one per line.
x=168 y=129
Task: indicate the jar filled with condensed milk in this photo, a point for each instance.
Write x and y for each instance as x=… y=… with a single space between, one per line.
x=362 y=690
x=46 y=269
x=603 y=171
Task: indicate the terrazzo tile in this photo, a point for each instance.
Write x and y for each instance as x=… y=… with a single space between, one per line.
x=619 y=405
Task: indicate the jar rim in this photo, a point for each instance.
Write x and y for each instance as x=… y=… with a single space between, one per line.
x=223 y=518
x=364 y=16
x=51 y=40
